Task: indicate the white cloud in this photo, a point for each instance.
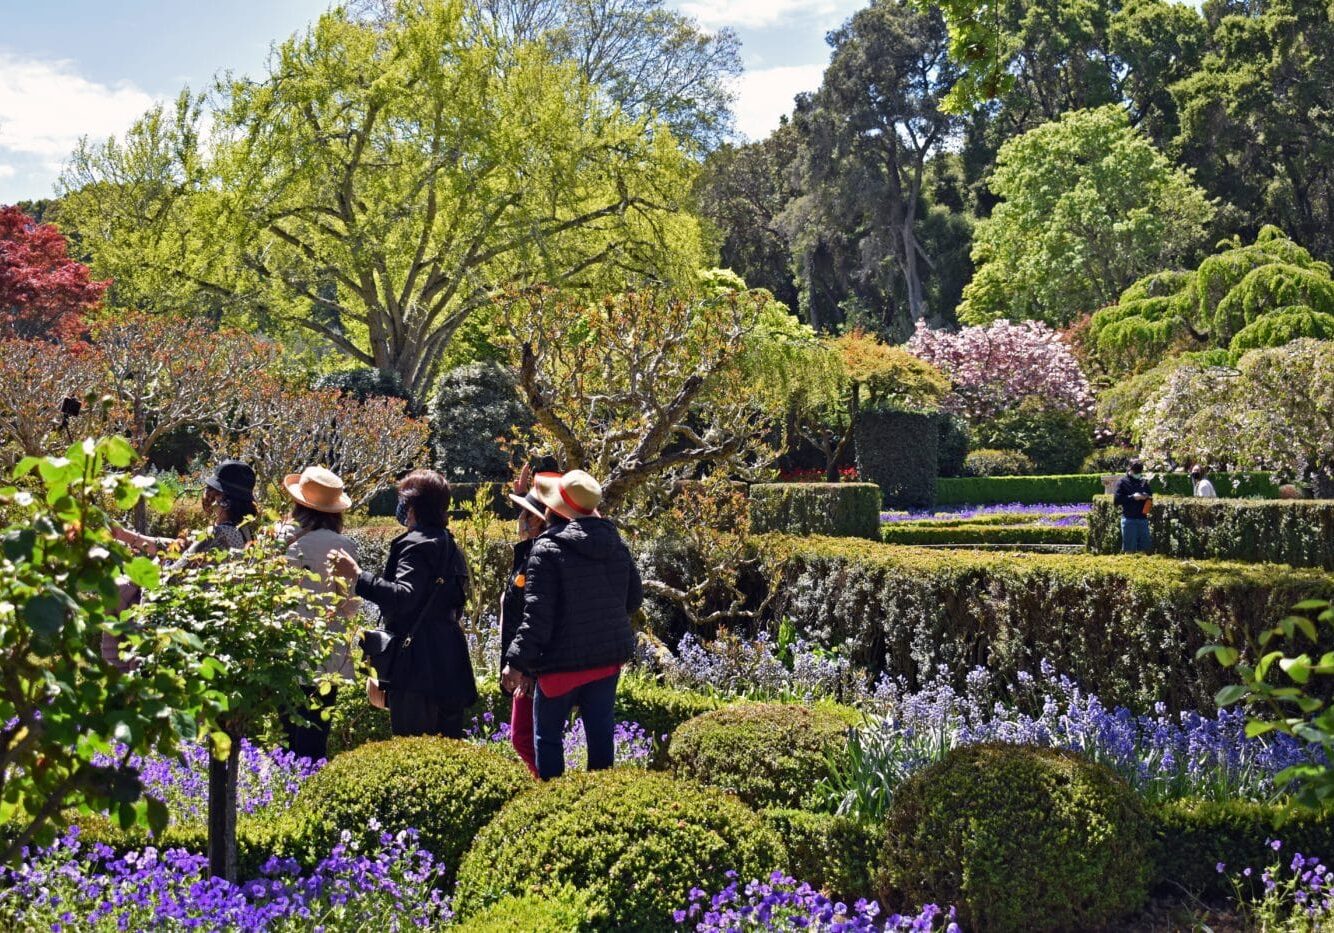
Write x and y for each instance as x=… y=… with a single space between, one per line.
x=46 y=106
x=765 y=94
x=758 y=14
x=7 y=171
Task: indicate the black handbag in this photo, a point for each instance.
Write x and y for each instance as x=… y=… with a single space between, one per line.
x=382 y=647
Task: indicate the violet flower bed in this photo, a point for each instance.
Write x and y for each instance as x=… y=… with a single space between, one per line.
x=1298 y=896
x=72 y=887
x=1163 y=755
x=782 y=903
x=1073 y=515
x=634 y=745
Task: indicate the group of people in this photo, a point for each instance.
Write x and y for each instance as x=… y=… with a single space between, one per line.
x=1134 y=498
x=564 y=616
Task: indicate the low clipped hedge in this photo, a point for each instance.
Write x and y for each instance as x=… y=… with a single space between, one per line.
x=1082 y=487
x=1191 y=837
x=446 y=789
x=840 y=510
x=1018 y=838
x=833 y=854
x=1126 y=626
x=768 y=754
x=634 y=842
x=989 y=533
x=566 y=910
x=1299 y=532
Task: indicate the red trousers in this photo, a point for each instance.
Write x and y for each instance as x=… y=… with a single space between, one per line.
x=521 y=731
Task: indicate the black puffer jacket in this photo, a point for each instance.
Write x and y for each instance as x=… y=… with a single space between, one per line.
x=426 y=578
x=581 y=587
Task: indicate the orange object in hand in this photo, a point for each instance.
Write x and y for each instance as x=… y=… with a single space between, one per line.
x=1148 y=505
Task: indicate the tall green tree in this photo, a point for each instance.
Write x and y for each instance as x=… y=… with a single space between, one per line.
x=381 y=183
x=1255 y=118
x=1088 y=206
x=867 y=135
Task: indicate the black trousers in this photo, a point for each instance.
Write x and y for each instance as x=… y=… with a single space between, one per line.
x=307 y=731
x=414 y=713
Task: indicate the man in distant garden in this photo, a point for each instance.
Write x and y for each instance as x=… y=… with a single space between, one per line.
x=1199 y=478
x=1134 y=498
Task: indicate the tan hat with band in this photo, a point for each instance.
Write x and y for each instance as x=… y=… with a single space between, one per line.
x=573 y=495
x=319 y=489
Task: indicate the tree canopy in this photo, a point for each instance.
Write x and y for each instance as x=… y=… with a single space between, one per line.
x=1245 y=296
x=380 y=184
x=1088 y=206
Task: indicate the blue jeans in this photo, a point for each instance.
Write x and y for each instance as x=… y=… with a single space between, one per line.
x=1135 y=537
x=597 y=708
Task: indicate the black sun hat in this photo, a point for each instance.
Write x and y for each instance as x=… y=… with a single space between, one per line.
x=234 y=479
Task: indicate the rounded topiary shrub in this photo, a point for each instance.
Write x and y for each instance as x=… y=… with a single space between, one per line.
x=634 y=842
x=476 y=408
x=566 y=910
x=989 y=462
x=446 y=789
x=768 y=754
x=1018 y=838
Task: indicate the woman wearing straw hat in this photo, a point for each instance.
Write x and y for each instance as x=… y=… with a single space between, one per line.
x=580 y=589
x=532 y=522
x=316 y=531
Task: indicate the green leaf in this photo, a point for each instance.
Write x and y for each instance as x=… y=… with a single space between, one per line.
x=118 y=452
x=18 y=544
x=1231 y=694
x=26 y=466
x=143 y=573
x=1306 y=605
x=45 y=614
x=1258 y=727
x=1298 y=668
x=1210 y=628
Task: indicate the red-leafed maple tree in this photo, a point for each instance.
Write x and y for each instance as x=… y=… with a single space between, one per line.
x=44 y=294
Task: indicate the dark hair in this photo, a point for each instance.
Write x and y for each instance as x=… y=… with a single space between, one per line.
x=1198 y=472
x=1136 y=465
x=309 y=519
x=427 y=494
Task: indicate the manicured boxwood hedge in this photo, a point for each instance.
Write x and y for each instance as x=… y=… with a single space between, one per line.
x=1126 y=626
x=1018 y=838
x=897 y=450
x=990 y=533
x=1297 y=532
x=1192 y=836
x=841 y=510
x=1077 y=487
x=833 y=854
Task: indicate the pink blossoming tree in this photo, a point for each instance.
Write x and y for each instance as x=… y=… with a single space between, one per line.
x=998 y=366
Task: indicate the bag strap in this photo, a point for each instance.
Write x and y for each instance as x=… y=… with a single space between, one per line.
x=439 y=581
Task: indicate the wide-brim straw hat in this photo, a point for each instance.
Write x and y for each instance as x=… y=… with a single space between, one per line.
x=530 y=502
x=319 y=489
x=574 y=495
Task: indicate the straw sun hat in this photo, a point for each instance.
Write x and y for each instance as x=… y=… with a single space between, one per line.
x=573 y=495
x=318 y=489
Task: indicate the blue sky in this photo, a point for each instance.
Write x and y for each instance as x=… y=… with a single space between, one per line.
x=75 y=67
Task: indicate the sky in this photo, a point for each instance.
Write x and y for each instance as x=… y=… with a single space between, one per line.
x=70 y=68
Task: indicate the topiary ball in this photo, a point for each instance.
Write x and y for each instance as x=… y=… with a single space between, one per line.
x=446 y=789
x=565 y=910
x=768 y=754
x=633 y=842
x=1018 y=838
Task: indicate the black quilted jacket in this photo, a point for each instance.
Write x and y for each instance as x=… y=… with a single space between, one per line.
x=581 y=588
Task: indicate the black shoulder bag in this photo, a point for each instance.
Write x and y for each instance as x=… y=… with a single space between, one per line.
x=382 y=647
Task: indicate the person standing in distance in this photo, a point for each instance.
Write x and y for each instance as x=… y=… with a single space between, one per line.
x=1199 y=478
x=580 y=590
x=1134 y=498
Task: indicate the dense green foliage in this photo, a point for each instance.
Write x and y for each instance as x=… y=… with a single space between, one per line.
x=1018 y=838
x=1126 y=624
x=634 y=842
x=1297 y=532
x=988 y=461
x=61 y=702
x=566 y=910
x=768 y=754
x=832 y=853
x=1055 y=441
x=955 y=439
x=1264 y=294
x=363 y=383
x=1108 y=460
x=476 y=417
x=1079 y=487
x=1193 y=836
x=447 y=790
x=1088 y=205
x=835 y=509
x=897 y=450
